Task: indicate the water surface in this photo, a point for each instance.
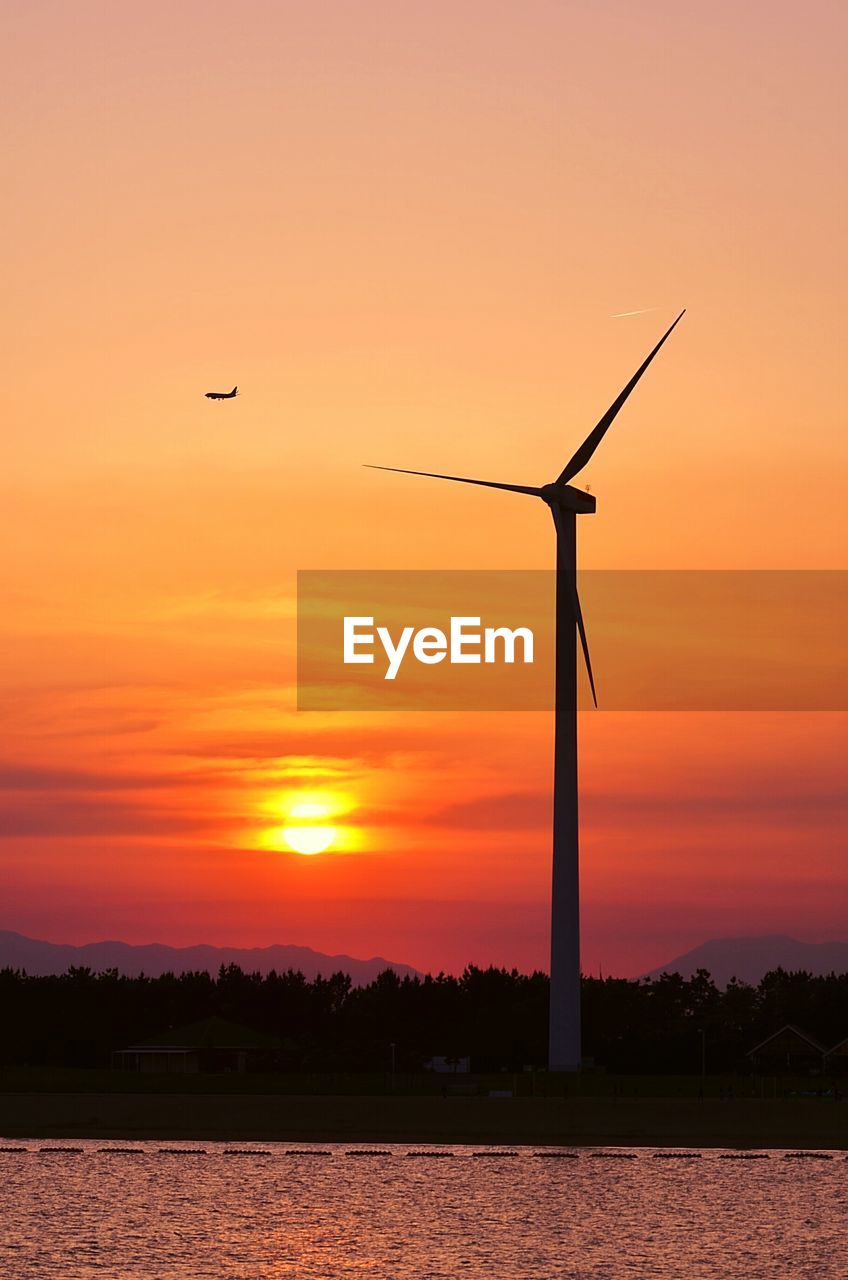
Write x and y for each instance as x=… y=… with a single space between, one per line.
x=274 y=1211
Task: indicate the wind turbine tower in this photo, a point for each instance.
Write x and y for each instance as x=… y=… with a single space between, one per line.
x=565 y=503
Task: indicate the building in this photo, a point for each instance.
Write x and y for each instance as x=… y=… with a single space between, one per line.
x=210 y=1045
x=789 y=1051
x=836 y=1059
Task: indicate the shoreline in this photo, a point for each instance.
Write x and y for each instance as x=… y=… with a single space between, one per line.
x=790 y=1124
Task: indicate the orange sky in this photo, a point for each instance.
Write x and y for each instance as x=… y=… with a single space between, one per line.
x=404 y=230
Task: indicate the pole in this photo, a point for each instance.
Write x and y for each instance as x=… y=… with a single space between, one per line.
x=564 y=1051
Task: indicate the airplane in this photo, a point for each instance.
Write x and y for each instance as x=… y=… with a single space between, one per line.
x=222 y=395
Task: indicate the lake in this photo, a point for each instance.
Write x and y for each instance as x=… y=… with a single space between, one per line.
x=250 y=1211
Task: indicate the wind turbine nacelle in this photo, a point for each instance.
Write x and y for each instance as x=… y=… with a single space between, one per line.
x=568 y=498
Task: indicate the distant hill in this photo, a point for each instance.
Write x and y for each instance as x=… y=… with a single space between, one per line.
x=748 y=959
x=41 y=958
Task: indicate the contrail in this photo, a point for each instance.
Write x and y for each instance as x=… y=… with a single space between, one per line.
x=619 y=315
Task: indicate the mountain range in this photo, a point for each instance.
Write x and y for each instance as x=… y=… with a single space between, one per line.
x=41 y=958
x=748 y=959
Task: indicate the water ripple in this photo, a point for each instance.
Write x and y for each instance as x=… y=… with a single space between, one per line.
x=83 y=1213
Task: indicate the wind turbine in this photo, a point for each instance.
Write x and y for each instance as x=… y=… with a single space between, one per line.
x=565 y=503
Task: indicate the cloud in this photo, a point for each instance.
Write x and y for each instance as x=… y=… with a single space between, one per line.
x=72 y=816
x=350 y=747
x=513 y=811
x=108 y=728
x=531 y=810
x=22 y=777
x=773 y=801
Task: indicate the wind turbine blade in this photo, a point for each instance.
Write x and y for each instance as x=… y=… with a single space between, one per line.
x=435 y=475
x=575 y=604
x=578 y=461
x=578 y=613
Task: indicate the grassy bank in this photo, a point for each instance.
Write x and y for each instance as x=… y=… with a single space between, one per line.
x=526 y=1084
x=711 y=1122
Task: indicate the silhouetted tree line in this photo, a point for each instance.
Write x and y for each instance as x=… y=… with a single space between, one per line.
x=497 y=1017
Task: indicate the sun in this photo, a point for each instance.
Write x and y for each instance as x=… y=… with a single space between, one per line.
x=309 y=840
x=307 y=823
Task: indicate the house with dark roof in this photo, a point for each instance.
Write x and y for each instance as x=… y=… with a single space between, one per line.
x=789 y=1050
x=213 y=1044
x=836 y=1059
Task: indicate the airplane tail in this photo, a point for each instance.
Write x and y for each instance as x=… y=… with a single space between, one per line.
x=234 y=391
